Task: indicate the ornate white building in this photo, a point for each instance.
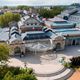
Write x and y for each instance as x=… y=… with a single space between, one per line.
x=35 y=40
x=56 y=35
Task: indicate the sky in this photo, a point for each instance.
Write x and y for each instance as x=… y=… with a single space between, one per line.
x=37 y=2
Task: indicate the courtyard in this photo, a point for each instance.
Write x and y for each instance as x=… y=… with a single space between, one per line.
x=45 y=64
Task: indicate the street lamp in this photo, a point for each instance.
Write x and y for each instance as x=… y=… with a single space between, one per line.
x=55 y=51
x=25 y=64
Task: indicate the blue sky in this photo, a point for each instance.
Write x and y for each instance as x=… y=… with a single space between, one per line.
x=37 y=2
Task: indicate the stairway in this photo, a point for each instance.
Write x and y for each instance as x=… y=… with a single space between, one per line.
x=63 y=74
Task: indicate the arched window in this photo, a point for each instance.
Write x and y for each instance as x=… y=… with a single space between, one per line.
x=17 y=50
x=73 y=43
x=31 y=23
x=65 y=17
x=58 y=46
x=27 y=23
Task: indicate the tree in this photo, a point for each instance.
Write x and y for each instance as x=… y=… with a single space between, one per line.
x=8 y=17
x=57 y=10
x=75 y=61
x=4 y=52
x=16 y=17
x=49 y=13
x=8 y=76
x=5 y=7
x=25 y=77
x=45 y=13
x=22 y=7
x=16 y=73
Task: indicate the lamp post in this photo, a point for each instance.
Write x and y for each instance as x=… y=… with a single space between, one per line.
x=25 y=64
x=54 y=50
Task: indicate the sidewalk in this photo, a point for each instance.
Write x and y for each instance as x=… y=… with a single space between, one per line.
x=75 y=76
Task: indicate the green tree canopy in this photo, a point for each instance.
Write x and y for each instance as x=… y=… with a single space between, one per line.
x=8 y=76
x=8 y=17
x=4 y=52
x=5 y=7
x=16 y=73
x=25 y=77
x=23 y=7
x=49 y=13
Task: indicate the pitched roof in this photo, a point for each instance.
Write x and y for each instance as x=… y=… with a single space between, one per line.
x=35 y=35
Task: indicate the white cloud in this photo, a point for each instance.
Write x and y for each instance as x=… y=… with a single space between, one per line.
x=37 y=2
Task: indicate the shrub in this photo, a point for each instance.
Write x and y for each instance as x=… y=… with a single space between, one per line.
x=14 y=70
x=4 y=69
x=66 y=64
x=8 y=76
x=26 y=70
x=29 y=70
x=16 y=73
x=25 y=77
x=75 y=61
x=4 y=52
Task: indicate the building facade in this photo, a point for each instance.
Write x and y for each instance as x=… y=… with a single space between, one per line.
x=35 y=40
x=30 y=23
x=71 y=14
x=57 y=34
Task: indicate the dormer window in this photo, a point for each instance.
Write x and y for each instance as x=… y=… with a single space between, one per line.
x=27 y=23
x=31 y=23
